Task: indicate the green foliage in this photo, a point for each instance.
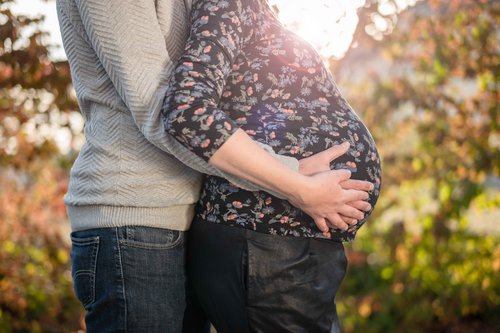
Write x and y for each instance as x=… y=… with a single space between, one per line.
x=418 y=267
x=415 y=267
x=34 y=95
x=417 y=283
x=35 y=282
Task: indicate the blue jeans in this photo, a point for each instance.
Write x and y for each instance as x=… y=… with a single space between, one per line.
x=130 y=279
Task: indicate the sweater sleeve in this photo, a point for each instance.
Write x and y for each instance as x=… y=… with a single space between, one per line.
x=130 y=45
x=219 y=30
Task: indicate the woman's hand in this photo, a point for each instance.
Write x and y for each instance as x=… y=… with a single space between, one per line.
x=320 y=162
x=327 y=196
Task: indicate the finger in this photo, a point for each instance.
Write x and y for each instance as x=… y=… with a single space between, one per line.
x=335 y=221
x=354 y=195
x=321 y=224
x=361 y=205
x=354 y=184
x=348 y=220
x=336 y=151
x=351 y=212
x=343 y=174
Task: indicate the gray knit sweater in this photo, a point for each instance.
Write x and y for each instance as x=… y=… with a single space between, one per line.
x=129 y=171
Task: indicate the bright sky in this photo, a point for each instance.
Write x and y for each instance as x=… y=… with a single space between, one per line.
x=327 y=24
x=51 y=24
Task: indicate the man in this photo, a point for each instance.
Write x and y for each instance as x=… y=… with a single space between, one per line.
x=130 y=198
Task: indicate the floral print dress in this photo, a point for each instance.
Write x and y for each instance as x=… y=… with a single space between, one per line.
x=242 y=69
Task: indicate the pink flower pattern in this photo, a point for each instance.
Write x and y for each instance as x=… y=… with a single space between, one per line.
x=242 y=69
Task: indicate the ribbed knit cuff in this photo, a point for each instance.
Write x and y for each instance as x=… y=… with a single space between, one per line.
x=101 y=216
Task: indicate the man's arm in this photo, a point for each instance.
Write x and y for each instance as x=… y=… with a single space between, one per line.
x=129 y=43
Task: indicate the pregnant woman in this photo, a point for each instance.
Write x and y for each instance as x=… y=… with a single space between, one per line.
x=256 y=262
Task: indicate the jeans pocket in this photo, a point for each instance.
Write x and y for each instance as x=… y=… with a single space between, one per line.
x=151 y=238
x=83 y=268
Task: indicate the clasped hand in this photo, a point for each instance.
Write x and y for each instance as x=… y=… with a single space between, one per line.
x=330 y=197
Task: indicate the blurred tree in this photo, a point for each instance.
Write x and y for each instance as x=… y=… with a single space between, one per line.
x=429 y=93
x=35 y=283
x=426 y=84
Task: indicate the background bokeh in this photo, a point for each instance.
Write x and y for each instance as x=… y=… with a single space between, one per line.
x=423 y=75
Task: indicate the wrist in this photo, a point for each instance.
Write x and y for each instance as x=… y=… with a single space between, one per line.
x=304 y=168
x=298 y=188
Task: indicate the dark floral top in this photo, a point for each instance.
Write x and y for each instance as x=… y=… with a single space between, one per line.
x=242 y=69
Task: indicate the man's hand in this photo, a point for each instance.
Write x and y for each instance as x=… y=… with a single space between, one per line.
x=322 y=197
x=320 y=162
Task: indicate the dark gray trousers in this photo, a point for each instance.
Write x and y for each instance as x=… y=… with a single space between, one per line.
x=248 y=281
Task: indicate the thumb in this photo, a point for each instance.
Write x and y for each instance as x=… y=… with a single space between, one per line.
x=337 y=151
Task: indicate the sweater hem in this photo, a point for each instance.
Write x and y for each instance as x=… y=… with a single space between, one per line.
x=177 y=217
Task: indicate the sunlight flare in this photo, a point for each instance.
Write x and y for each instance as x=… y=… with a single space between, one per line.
x=327 y=24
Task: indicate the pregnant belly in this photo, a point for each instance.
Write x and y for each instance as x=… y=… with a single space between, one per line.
x=315 y=133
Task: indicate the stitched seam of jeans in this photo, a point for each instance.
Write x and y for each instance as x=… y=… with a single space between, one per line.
x=152 y=246
x=94 y=242
x=129 y=233
x=95 y=254
x=122 y=278
x=83 y=272
x=84 y=241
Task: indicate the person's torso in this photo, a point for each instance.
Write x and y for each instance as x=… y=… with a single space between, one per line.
x=281 y=93
x=117 y=166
